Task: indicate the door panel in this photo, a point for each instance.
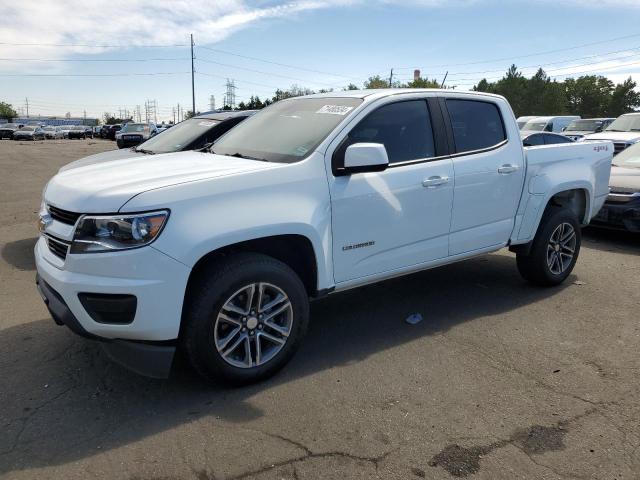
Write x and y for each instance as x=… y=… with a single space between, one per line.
x=399 y=217
x=388 y=220
x=488 y=177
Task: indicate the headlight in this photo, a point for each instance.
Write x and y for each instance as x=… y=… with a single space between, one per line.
x=98 y=233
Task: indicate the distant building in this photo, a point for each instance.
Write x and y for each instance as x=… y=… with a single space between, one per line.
x=54 y=121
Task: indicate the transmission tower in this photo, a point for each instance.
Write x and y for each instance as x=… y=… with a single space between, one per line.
x=212 y=102
x=230 y=96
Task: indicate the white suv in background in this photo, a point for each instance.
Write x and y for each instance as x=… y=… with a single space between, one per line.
x=549 y=124
x=623 y=132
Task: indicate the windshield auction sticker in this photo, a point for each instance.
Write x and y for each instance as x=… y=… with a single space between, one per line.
x=335 y=109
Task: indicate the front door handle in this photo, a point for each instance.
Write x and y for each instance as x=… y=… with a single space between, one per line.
x=435 y=181
x=507 y=168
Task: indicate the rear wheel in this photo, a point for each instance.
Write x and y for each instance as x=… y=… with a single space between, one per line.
x=555 y=249
x=246 y=319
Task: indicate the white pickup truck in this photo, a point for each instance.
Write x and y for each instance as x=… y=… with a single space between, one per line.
x=220 y=251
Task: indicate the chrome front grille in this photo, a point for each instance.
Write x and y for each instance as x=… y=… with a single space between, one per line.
x=58 y=247
x=619 y=146
x=622 y=195
x=63 y=216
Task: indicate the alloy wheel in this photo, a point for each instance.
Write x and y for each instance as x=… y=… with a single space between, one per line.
x=561 y=248
x=253 y=325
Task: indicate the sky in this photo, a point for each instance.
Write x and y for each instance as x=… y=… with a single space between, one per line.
x=107 y=56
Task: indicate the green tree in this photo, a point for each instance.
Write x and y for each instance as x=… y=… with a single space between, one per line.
x=7 y=111
x=422 y=83
x=351 y=86
x=624 y=99
x=376 y=82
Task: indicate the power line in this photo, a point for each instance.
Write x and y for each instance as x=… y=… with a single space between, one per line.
x=262 y=72
x=22 y=59
x=91 y=45
x=274 y=63
x=88 y=74
x=532 y=54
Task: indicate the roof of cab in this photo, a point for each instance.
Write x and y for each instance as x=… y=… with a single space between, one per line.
x=385 y=92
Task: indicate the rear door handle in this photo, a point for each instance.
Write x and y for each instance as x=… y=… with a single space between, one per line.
x=435 y=181
x=508 y=168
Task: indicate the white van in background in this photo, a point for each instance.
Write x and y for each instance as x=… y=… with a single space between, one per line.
x=521 y=121
x=549 y=124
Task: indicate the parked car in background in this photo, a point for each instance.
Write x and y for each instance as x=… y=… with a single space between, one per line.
x=533 y=139
x=624 y=131
x=53 y=133
x=133 y=134
x=113 y=129
x=88 y=131
x=220 y=252
x=579 y=128
x=192 y=134
x=65 y=129
x=549 y=124
x=522 y=120
x=29 y=132
x=77 y=131
x=104 y=130
x=622 y=207
x=7 y=129
x=96 y=131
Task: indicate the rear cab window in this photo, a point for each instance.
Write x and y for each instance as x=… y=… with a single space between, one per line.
x=476 y=124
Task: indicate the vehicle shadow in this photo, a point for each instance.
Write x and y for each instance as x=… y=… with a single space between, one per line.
x=19 y=254
x=611 y=240
x=63 y=400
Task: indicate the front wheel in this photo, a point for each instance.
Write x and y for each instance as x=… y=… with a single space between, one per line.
x=555 y=249
x=245 y=319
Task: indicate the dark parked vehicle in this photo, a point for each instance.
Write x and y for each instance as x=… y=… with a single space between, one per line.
x=78 y=131
x=6 y=130
x=113 y=129
x=30 y=132
x=192 y=134
x=133 y=134
x=622 y=208
x=579 y=128
x=530 y=139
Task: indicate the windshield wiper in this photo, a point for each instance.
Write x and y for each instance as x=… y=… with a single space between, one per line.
x=248 y=157
x=613 y=130
x=147 y=152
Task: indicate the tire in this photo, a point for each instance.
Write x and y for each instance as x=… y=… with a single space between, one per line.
x=550 y=262
x=219 y=291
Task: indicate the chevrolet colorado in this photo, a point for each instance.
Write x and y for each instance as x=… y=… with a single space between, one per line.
x=219 y=251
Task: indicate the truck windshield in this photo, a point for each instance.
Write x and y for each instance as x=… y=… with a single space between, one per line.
x=134 y=127
x=625 y=123
x=584 y=126
x=534 y=126
x=287 y=131
x=179 y=136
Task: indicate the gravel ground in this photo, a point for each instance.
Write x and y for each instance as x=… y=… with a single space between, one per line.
x=500 y=379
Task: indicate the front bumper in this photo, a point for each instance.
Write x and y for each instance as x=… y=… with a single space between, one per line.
x=619 y=216
x=156 y=280
x=129 y=142
x=151 y=360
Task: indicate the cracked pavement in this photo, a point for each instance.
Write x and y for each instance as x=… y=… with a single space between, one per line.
x=500 y=380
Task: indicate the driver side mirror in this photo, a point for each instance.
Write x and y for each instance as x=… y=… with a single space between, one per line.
x=365 y=157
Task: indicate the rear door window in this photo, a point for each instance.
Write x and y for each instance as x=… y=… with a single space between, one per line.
x=476 y=125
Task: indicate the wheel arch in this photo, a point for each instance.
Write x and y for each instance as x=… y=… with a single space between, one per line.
x=294 y=250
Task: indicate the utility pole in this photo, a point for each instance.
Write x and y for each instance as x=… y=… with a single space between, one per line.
x=444 y=79
x=179 y=112
x=26 y=101
x=193 y=85
x=84 y=117
x=173 y=111
x=212 y=102
x=391 y=78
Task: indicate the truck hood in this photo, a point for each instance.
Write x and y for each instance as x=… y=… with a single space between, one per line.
x=102 y=157
x=614 y=136
x=623 y=177
x=106 y=186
